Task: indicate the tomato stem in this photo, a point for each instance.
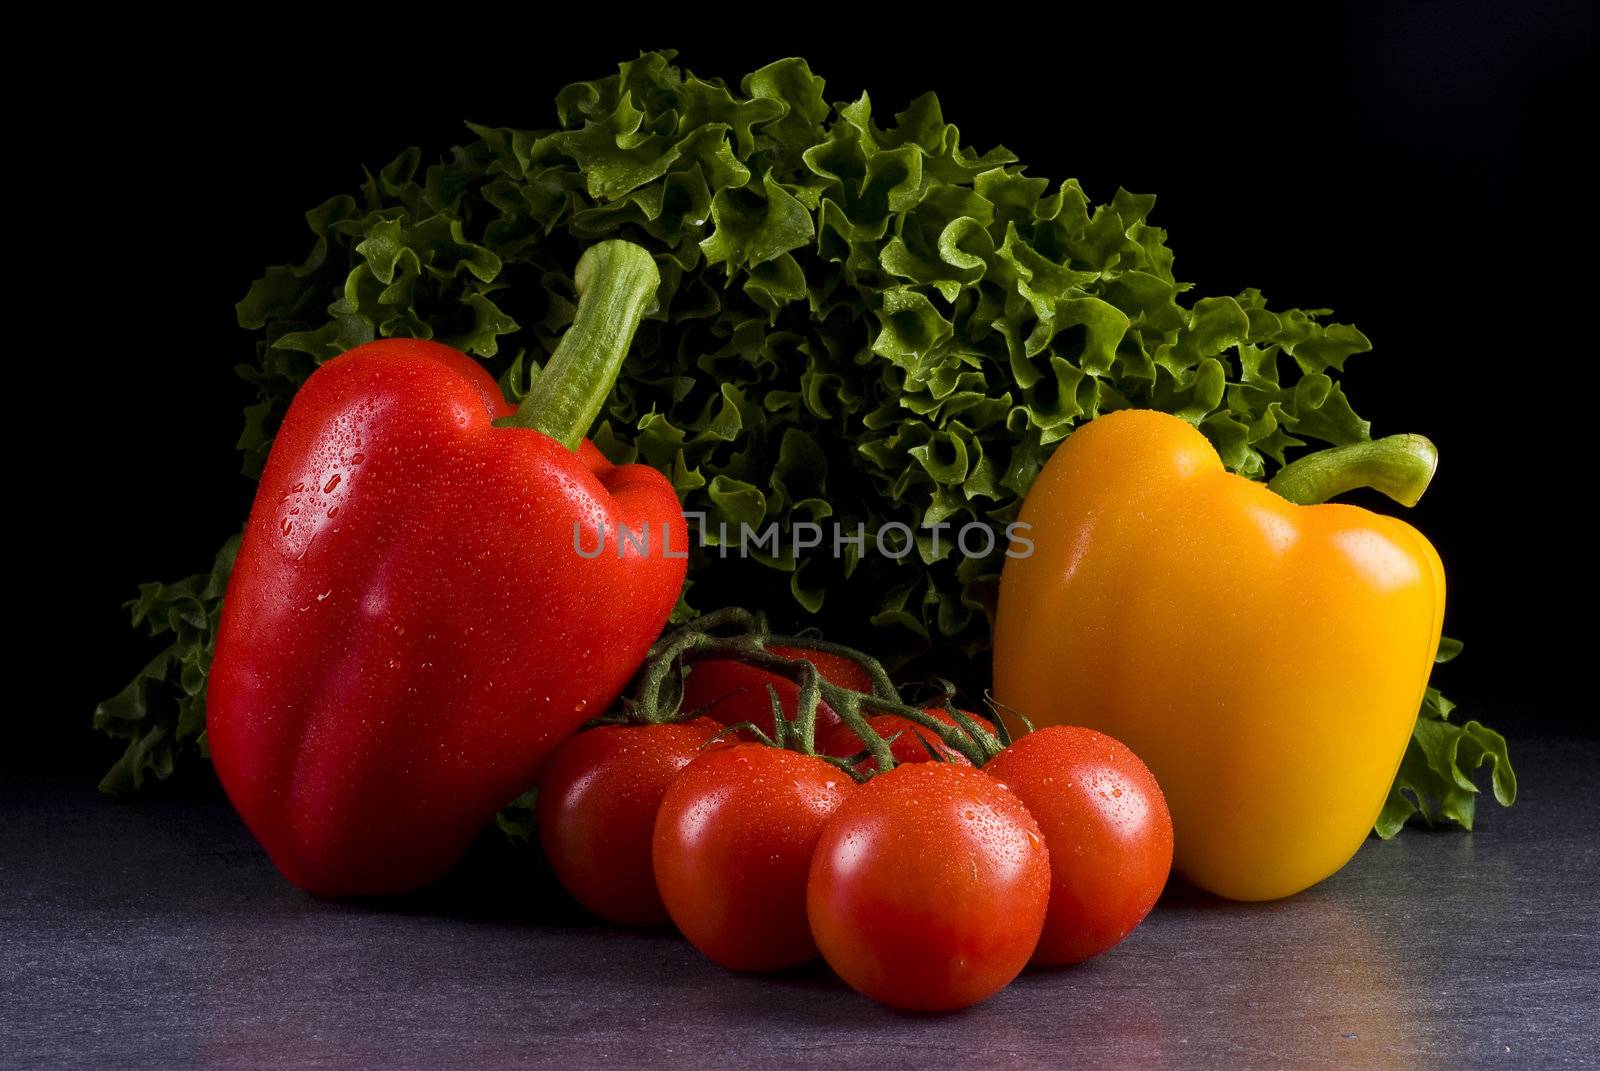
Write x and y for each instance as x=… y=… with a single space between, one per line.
x=736 y=634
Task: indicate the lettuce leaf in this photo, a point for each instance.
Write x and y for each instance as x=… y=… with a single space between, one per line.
x=162 y=711
x=1435 y=778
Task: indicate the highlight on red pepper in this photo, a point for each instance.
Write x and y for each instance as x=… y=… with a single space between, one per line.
x=408 y=631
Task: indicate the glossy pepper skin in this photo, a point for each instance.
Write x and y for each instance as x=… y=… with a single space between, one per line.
x=408 y=631
x=1266 y=660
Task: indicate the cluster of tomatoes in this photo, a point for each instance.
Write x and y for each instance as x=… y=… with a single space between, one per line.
x=928 y=886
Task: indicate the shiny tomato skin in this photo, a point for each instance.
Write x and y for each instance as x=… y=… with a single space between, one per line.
x=596 y=813
x=929 y=886
x=732 y=852
x=731 y=692
x=1109 y=832
x=906 y=747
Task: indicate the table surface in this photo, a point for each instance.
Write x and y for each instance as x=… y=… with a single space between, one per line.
x=157 y=934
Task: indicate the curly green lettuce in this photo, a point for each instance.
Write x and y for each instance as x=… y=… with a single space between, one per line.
x=860 y=322
x=1435 y=779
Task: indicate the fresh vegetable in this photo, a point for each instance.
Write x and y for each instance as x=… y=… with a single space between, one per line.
x=929 y=887
x=1266 y=659
x=861 y=320
x=733 y=846
x=596 y=813
x=1106 y=823
x=735 y=692
x=938 y=889
x=409 y=629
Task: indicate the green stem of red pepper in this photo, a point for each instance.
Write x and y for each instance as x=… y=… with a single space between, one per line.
x=1399 y=466
x=617 y=283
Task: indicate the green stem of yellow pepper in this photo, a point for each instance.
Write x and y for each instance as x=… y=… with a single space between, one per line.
x=1400 y=466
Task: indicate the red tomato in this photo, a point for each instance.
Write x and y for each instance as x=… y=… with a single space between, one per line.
x=929 y=886
x=597 y=809
x=730 y=692
x=1108 y=829
x=906 y=748
x=733 y=845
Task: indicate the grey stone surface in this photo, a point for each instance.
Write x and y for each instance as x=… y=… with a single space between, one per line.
x=158 y=935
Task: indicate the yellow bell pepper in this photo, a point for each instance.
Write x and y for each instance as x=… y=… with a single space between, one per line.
x=1265 y=659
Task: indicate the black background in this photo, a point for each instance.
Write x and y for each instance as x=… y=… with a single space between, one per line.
x=1414 y=169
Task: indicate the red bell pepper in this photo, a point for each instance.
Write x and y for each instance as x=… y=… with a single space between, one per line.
x=409 y=629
